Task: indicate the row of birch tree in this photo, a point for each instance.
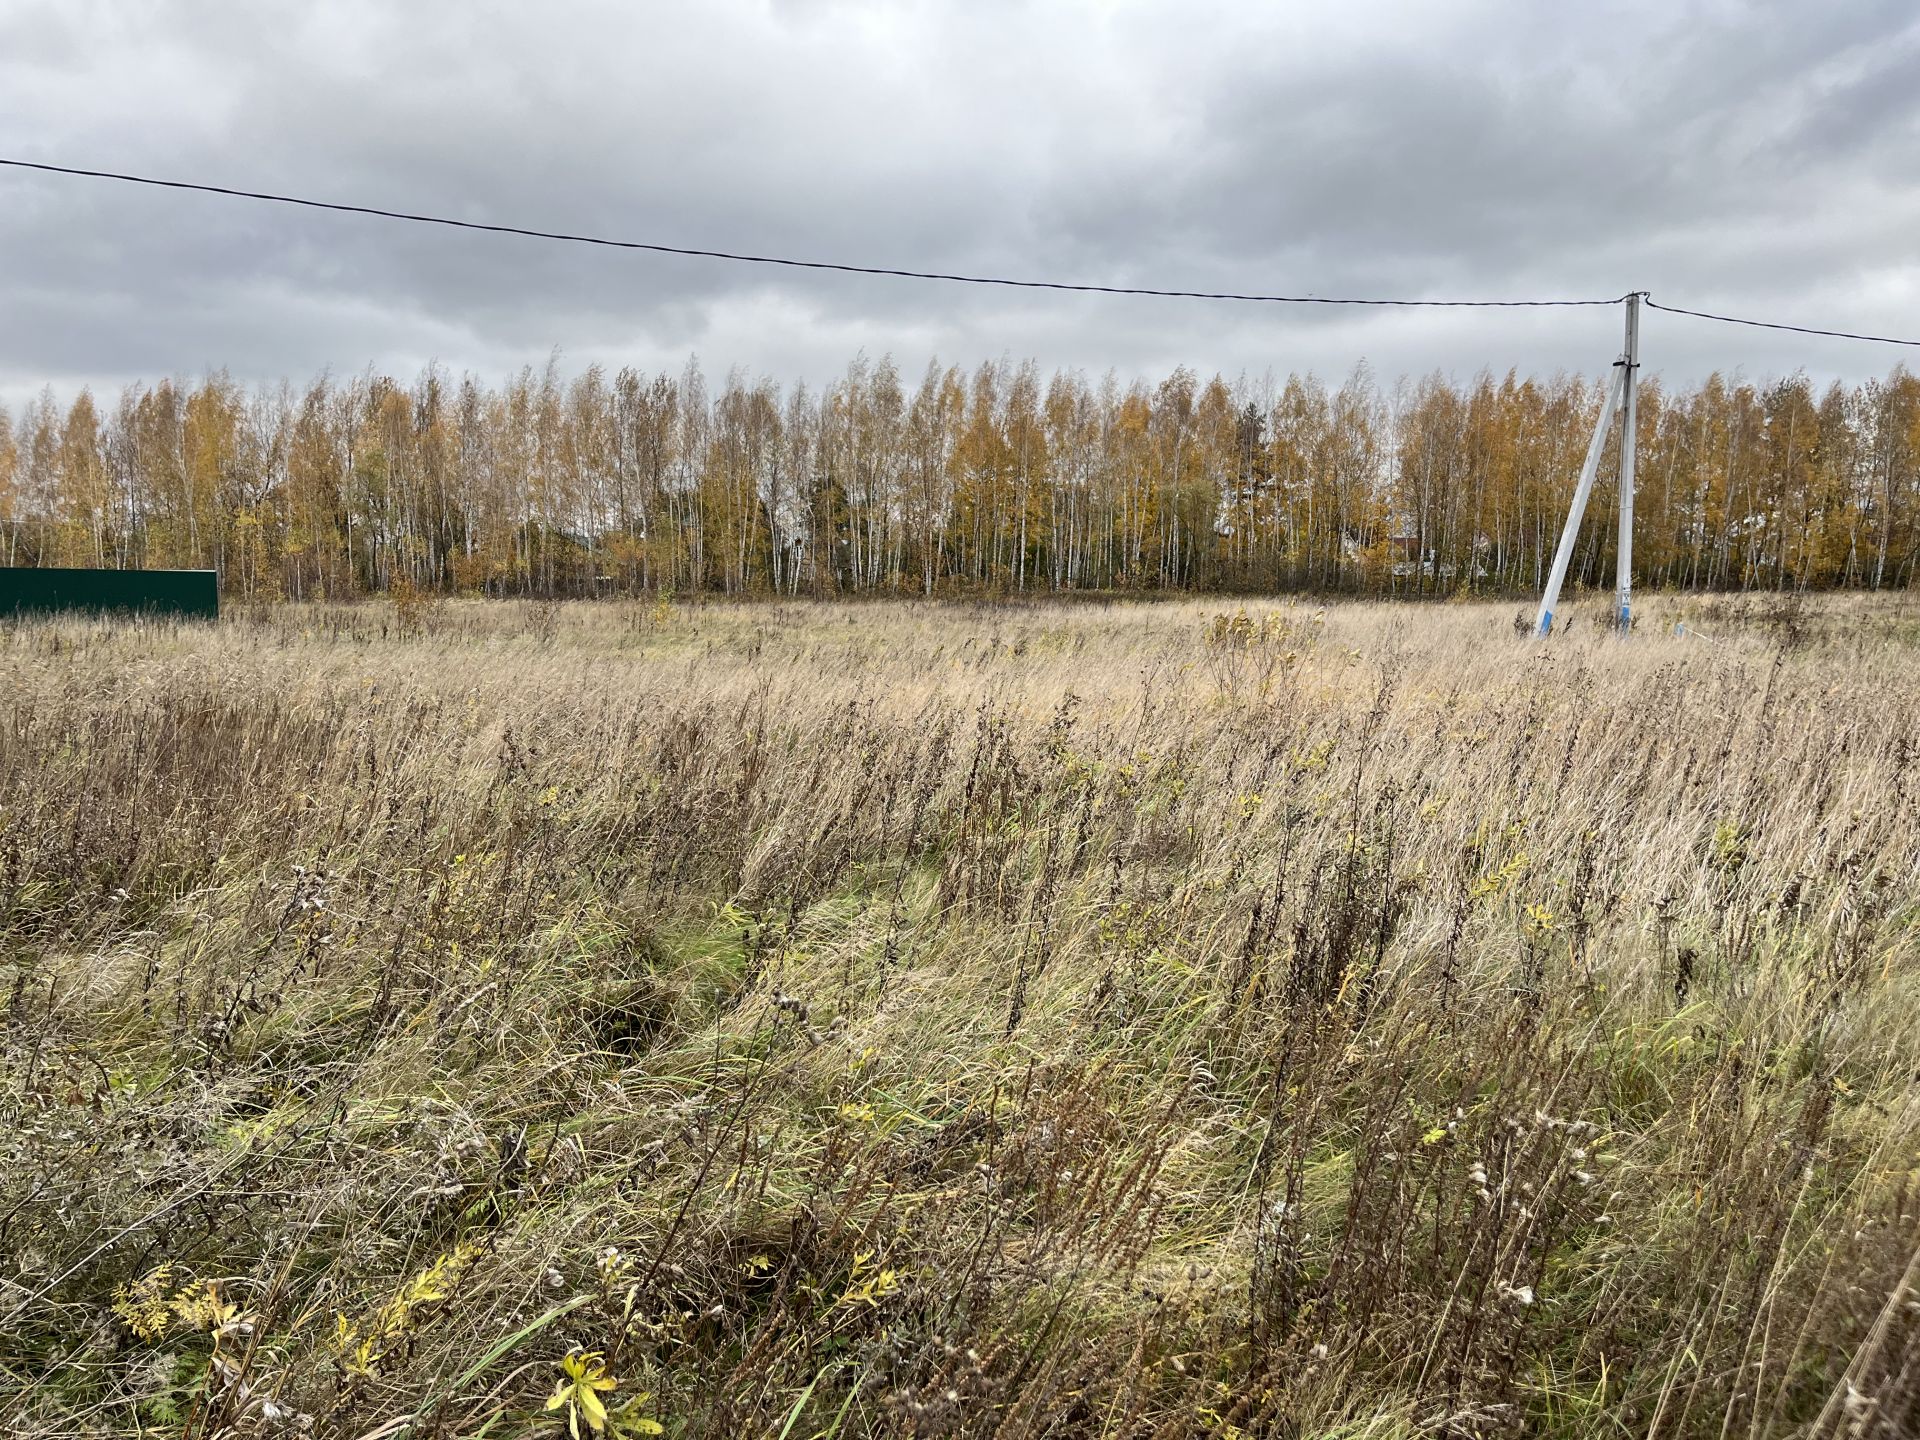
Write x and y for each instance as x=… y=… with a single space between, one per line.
x=992 y=480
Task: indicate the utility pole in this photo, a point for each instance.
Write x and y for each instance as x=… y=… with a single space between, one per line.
x=1630 y=366
x=1620 y=399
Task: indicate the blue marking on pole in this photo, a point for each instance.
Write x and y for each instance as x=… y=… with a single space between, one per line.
x=1546 y=622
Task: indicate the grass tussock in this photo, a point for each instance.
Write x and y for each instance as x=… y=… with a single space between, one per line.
x=935 y=1021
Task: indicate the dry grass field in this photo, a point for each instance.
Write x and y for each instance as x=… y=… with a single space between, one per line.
x=933 y=1020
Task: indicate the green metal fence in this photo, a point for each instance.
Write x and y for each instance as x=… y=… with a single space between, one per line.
x=186 y=594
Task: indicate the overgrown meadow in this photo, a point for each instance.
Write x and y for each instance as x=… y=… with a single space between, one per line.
x=939 y=1020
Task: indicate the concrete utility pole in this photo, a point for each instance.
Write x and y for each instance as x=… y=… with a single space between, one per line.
x=1620 y=399
x=1630 y=367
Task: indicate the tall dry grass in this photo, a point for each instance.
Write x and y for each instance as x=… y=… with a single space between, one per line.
x=929 y=1020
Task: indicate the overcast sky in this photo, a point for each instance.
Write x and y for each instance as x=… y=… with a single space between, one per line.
x=1758 y=159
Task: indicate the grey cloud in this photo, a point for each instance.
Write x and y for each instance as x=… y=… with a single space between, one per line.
x=1752 y=158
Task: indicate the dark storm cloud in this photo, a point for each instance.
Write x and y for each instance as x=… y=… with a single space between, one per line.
x=1757 y=159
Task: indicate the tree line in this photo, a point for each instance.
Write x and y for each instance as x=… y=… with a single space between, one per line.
x=995 y=480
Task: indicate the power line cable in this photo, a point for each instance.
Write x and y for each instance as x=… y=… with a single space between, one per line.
x=747 y=259
x=1653 y=304
x=851 y=269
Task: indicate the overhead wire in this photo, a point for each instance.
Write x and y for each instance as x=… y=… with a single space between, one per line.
x=752 y=259
x=844 y=267
x=1653 y=304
